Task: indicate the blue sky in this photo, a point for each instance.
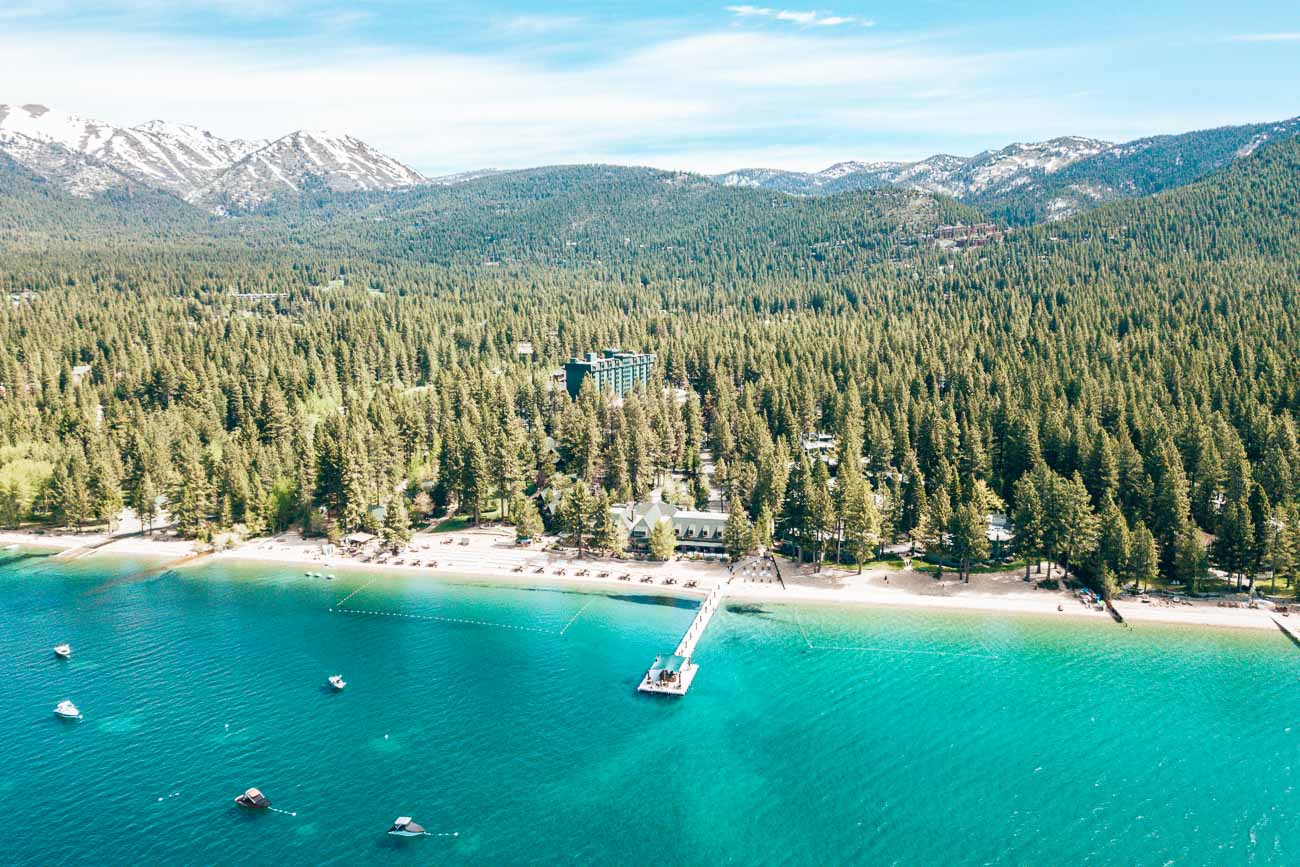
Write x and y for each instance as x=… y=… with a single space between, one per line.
x=451 y=86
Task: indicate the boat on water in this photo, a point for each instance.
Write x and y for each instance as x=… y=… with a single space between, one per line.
x=13 y=547
x=253 y=799
x=329 y=577
x=63 y=651
x=67 y=710
x=337 y=681
x=405 y=827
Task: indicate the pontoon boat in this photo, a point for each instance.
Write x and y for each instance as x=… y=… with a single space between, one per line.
x=253 y=799
x=404 y=827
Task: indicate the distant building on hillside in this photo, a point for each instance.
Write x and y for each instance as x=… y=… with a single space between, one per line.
x=613 y=370
x=699 y=532
x=975 y=235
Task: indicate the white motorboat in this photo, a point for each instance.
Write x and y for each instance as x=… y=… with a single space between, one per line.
x=63 y=651
x=337 y=681
x=67 y=710
x=405 y=827
x=329 y=577
x=13 y=547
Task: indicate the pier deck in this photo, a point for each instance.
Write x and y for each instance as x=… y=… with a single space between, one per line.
x=680 y=663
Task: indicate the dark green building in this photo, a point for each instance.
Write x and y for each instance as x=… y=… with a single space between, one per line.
x=613 y=370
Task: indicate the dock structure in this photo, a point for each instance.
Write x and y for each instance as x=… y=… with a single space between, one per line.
x=1287 y=631
x=672 y=674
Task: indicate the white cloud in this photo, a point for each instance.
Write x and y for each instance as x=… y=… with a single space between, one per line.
x=1266 y=37
x=804 y=18
x=708 y=102
x=541 y=24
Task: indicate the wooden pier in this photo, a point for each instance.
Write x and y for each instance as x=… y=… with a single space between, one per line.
x=1287 y=631
x=672 y=674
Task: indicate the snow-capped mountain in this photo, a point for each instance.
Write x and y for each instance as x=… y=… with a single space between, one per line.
x=88 y=156
x=942 y=173
x=1051 y=179
x=291 y=164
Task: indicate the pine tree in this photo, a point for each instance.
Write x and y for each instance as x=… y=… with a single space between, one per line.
x=861 y=519
x=71 y=488
x=397 y=522
x=190 y=497
x=763 y=524
x=1079 y=525
x=1029 y=517
x=1144 y=560
x=1189 y=559
x=474 y=482
x=821 y=511
x=576 y=515
x=1113 y=546
x=968 y=535
x=738 y=533
x=663 y=540
x=934 y=528
x=1235 y=539
x=796 y=512
x=528 y=521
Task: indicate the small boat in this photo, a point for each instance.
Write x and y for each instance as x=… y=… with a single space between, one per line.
x=67 y=710
x=404 y=827
x=63 y=651
x=329 y=577
x=13 y=547
x=337 y=681
x=253 y=799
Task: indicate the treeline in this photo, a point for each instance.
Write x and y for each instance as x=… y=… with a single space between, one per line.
x=1126 y=383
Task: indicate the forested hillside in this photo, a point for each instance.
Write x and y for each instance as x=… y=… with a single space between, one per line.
x=32 y=209
x=1122 y=381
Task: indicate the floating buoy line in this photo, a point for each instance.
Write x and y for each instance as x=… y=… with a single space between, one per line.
x=867 y=649
x=338 y=608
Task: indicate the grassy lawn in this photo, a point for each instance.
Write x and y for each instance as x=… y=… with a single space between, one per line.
x=460 y=523
x=986 y=569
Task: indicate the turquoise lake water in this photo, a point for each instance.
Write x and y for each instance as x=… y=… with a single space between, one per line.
x=510 y=717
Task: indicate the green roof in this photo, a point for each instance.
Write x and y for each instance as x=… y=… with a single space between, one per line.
x=669 y=662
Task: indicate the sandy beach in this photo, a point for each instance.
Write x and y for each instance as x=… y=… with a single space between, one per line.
x=491 y=554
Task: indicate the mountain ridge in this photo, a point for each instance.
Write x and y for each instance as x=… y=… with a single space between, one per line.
x=1031 y=181
x=89 y=157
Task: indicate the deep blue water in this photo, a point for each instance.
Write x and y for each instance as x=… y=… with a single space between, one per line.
x=509 y=717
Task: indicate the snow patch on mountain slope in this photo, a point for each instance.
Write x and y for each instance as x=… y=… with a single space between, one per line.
x=57 y=164
x=88 y=156
x=341 y=163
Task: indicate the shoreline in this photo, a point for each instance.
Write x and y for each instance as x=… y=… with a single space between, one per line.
x=492 y=557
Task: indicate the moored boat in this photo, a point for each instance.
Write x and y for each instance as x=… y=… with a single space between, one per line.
x=63 y=651
x=67 y=710
x=253 y=799
x=405 y=827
